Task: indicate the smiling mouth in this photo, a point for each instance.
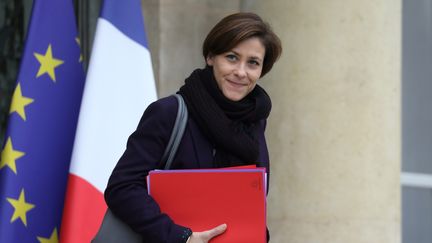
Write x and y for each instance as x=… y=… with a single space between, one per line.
x=236 y=84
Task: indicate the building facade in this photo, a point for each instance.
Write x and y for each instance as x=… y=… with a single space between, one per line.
x=348 y=135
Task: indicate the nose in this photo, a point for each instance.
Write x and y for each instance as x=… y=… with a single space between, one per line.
x=240 y=70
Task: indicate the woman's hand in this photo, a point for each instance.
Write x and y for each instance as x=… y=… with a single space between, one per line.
x=205 y=236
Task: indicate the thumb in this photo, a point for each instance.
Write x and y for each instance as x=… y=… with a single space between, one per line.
x=217 y=231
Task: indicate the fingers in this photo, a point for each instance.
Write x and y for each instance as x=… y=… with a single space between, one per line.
x=216 y=231
x=206 y=236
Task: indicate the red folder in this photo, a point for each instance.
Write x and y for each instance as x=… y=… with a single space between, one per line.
x=203 y=199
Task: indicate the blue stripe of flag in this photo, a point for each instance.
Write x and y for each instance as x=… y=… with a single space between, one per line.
x=121 y=14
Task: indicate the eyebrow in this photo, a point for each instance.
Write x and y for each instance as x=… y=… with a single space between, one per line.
x=252 y=57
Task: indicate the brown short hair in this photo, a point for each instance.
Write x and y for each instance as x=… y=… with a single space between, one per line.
x=235 y=28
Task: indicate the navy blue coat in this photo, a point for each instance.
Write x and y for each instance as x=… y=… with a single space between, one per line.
x=126 y=194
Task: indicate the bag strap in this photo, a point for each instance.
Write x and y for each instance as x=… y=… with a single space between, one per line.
x=177 y=132
x=115 y=230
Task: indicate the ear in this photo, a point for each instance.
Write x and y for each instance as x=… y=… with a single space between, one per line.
x=209 y=60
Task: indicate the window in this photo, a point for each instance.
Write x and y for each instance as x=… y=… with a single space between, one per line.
x=416 y=177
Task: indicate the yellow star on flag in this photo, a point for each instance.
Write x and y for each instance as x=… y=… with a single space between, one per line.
x=47 y=63
x=53 y=238
x=79 y=44
x=19 y=102
x=9 y=156
x=21 y=208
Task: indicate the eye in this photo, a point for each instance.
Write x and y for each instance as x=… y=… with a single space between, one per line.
x=231 y=57
x=254 y=62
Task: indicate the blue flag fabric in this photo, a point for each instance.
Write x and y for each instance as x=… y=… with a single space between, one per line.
x=36 y=153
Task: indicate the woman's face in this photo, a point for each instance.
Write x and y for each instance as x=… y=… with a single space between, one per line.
x=237 y=71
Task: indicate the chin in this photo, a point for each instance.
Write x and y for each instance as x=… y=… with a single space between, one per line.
x=234 y=97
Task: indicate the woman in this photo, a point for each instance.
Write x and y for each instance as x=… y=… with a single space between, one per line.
x=227 y=118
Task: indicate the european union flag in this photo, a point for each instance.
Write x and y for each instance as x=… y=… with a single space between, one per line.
x=36 y=154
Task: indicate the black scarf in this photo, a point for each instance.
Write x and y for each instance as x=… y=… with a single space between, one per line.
x=229 y=125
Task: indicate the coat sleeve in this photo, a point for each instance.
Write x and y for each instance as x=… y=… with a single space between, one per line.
x=126 y=194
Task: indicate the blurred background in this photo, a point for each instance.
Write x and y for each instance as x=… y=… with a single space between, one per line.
x=349 y=134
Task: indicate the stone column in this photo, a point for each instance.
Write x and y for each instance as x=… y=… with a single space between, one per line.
x=334 y=132
x=176 y=40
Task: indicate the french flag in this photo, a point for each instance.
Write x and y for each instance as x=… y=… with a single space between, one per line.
x=119 y=86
